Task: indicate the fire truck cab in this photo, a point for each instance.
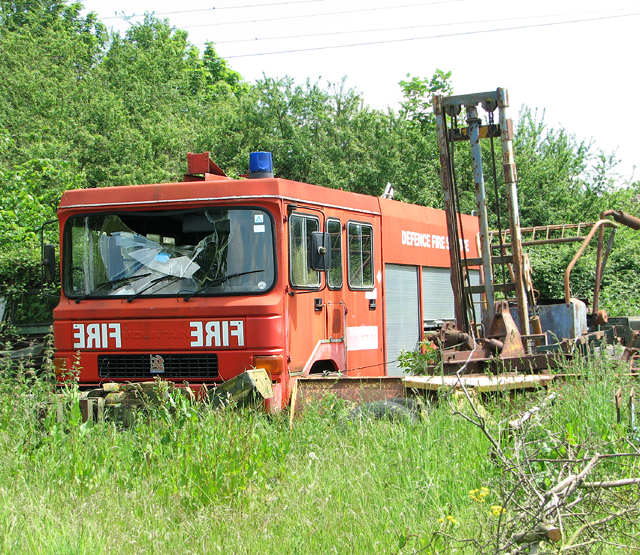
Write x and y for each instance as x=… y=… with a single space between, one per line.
x=201 y=280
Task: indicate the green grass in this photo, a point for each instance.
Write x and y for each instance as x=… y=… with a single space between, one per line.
x=192 y=480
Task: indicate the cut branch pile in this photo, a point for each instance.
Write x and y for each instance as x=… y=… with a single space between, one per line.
x=560 y=495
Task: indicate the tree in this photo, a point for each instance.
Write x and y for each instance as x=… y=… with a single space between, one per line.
x=46 y=52
x=30 y=195
x=561 y=179
x=418 y=96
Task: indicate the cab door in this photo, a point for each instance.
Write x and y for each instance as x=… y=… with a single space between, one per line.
x=306 y=318
x=364 y=331
x=335 y=302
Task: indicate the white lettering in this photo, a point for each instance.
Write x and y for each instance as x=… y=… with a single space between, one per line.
x=213 y=334
x=238 y=331
x=115 y=334
x=93 y=336
x=196 y=334
x=96 y=336
x=216 y=333
x=429 y=241
x=225 y=333
x=105 y=337
x=78 y=335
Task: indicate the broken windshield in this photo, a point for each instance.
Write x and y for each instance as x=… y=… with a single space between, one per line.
x=208 y=252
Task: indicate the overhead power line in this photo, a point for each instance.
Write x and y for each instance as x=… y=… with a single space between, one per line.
x=323 y=14
x=409 y=39
x=224 y=8
x=406 y=28
x=282 y=18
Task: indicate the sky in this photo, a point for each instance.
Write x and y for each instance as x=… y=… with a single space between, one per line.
x=575 y=61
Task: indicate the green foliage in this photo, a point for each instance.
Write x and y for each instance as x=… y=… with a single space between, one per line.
x=217 y=73
x=46 y=52
x=561 y=179
x=418 y=362
x=119 y=109
x=31 y=192
x=418 y=95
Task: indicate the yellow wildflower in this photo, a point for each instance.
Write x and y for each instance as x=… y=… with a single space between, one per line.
x=497 y=510
x=478 y=495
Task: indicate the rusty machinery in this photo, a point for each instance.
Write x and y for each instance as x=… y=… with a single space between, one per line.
x=512 y=332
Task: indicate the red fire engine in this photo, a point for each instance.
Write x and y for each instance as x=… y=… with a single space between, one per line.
x=201 y=280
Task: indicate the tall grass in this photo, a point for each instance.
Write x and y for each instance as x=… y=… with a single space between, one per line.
x=189 y=479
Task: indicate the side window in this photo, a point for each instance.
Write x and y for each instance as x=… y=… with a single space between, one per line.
x=360 y=241
x=300 y=228
x=334 y=277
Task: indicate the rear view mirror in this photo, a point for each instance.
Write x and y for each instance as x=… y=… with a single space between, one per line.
x=320 y=251
x=49 y=263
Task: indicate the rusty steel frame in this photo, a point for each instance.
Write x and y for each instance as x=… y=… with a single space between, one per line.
x=547 y=231
x=624 y=219
x=490 y=101
x=312 y=388
x=481 y=205
x=449 y=203
x=511 y=178
x=600 y=224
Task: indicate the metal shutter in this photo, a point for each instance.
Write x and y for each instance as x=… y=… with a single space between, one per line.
x=402 y=313
x=437 y=295
x=474 y=277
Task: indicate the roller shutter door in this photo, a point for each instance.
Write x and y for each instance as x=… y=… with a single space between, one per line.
x=402 y=313
x=474 y=277
x=437 y=295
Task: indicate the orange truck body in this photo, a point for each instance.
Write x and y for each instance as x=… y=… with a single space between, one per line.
x=133 y=308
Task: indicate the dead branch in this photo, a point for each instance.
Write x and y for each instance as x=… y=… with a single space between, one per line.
x=593 y=524
x=611 y=483
x=538 y=513
x=544 y=532
x=559 y=493
x=576 y=461
x=518 y=423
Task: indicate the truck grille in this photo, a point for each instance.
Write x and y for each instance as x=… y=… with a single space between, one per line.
x=175 y=366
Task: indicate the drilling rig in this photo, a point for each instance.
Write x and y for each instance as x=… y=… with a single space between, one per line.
x=508 y=330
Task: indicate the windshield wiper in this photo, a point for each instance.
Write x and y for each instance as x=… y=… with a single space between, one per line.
x=220 y=280
x=154 y=282
x=113 y=282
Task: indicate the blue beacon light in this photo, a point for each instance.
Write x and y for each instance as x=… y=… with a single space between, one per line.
x=260 y=165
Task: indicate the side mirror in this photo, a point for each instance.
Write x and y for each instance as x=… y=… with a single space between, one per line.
x=320 y=251
x=49 y=263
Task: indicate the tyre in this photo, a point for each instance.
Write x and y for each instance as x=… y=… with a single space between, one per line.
x=400 y=409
